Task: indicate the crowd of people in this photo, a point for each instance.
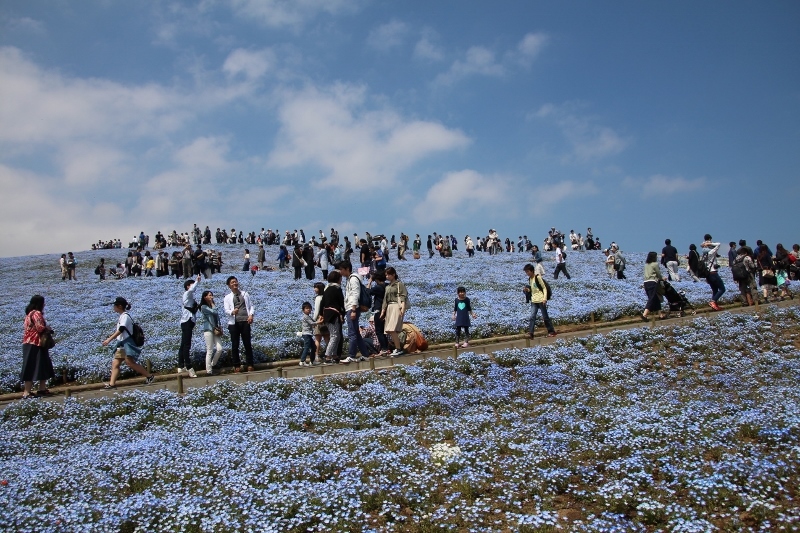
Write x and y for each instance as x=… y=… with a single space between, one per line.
x=751 y=269
x=373 y=289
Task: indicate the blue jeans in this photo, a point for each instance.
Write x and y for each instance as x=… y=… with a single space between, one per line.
x=716 y=284
x=354 y=335
x=308 y=348
x=535 y=307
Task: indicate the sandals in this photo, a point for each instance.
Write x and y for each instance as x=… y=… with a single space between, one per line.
x=109 y=386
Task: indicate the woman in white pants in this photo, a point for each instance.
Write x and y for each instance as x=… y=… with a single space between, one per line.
x=212 y=331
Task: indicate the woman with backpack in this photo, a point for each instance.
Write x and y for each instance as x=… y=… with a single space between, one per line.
x=125 y=349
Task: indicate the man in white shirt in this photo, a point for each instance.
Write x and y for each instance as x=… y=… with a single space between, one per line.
x=240 y=311
x=352 y=312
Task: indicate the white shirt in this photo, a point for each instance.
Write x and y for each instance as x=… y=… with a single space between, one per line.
x=559 y=256
x=124 y=321
x=228 y=304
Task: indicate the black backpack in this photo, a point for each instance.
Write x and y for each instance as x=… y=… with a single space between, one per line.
x=739 y=271
x=546 y=285
x=364 y=299
x=137 y=334
x=702 y=267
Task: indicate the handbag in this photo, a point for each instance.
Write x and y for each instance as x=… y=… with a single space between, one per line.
x=219 y=332
x=46 y=339
x=767 y=273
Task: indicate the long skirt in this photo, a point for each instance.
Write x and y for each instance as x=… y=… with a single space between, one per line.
x=394 y=320
x=653 y=298
x=36 y=364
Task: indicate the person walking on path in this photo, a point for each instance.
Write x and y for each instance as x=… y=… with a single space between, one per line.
x=693 y=259
x=561 y=265
x=669 y=258
x=240 y=311
x=713 y=279
x=353 y=313
x=188 y=312
x=36 y=362
x=125 y=349
x=652 y=283
x=332 y=305
x=539 y=295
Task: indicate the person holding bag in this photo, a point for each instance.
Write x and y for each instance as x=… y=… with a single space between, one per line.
x=37 y=339
x=393 y=309
x=212 y=330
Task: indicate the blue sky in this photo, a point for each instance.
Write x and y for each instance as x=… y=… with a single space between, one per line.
x=642 y=120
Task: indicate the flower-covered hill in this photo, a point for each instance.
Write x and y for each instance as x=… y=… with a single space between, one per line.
x=80 y=313
x=687 y=429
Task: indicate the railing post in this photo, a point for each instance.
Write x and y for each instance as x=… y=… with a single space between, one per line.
x=180 y=383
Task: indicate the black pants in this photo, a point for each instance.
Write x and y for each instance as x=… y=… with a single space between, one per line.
x=380 y=324
x=297 y=271
x=621 y=274
x=185 y=351
x=310 y=274
x=241 y=330
x=561 y=267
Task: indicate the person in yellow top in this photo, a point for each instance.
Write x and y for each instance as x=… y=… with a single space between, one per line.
x=539 y=295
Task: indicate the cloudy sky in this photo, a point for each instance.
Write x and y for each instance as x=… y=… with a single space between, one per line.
x=643 y=120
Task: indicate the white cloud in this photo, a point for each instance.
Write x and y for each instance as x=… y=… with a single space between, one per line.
x=426 y=48
x=252 y=64
x=477 y=61
x=530 y=47
x=45 y=107
x=96 y=140
x=660 y=185
x=289 y=13
x=388 y=36
x=545 y=197
x=26 y=25
x=334 y=130
x=458 y=195
x=588 y=140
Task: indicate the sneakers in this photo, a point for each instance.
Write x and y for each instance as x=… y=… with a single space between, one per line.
x=192 y=373
x=181 y=371
x=362 y=358
x=396 y=353
x=714 y=306
x=150 y=379
x=348 y=360
x=210 y=372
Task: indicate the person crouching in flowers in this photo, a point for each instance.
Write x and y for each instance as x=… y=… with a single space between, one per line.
x=124 y=349
x=36 y=363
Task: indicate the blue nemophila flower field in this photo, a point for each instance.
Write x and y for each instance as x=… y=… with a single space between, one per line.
x=82 y=316
x=690 y=428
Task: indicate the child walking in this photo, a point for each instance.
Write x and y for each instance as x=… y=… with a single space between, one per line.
x=307 y=332
x=462 y=309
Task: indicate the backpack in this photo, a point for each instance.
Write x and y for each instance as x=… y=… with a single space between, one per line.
x=137 y=334
x=739 y=271
x=546 y=285
x=702 y=266
x=97 y=270
x=364 y=299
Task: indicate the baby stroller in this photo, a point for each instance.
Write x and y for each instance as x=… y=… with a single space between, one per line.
x=677 y=300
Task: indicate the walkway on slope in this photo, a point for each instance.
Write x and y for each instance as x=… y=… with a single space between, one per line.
x=290 y=369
